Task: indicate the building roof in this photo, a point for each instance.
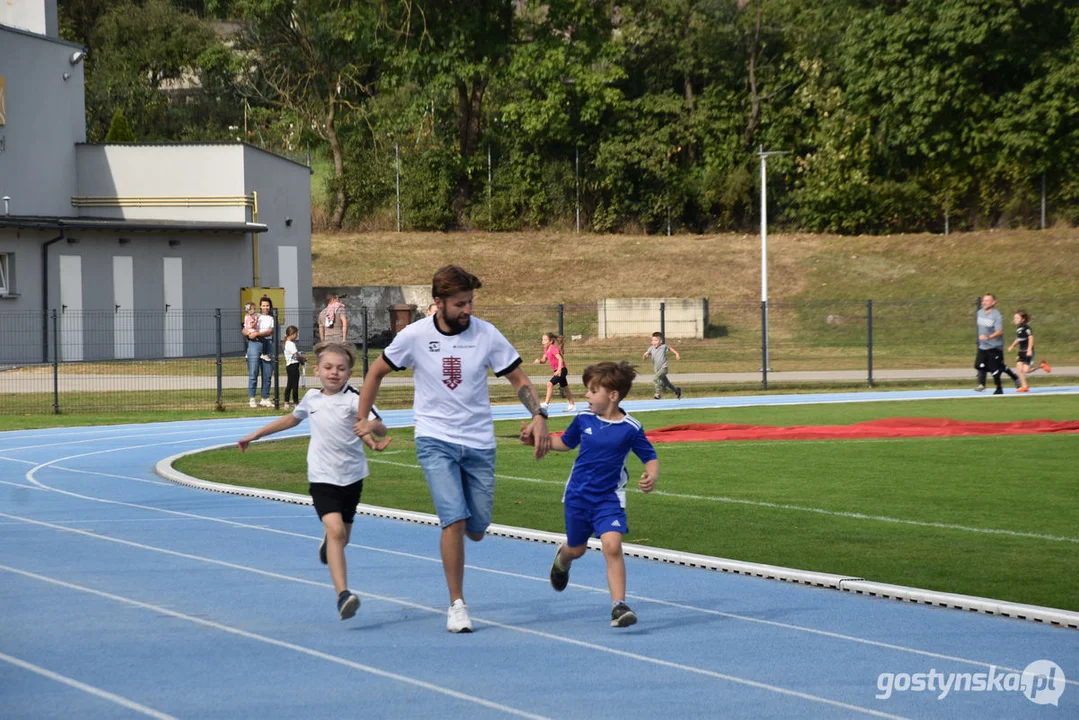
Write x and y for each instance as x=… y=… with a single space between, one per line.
x=43 y=222
x=40 y=36
x=198 y=143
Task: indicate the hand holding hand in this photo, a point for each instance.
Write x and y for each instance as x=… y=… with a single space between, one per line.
x=363 y=428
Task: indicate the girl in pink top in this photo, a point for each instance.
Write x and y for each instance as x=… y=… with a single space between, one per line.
x=552 y=353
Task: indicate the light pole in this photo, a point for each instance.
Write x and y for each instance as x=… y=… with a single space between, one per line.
x=764 y=259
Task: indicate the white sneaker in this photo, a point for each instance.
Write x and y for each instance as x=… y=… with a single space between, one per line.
x=252 y=402
x=457 y=619
x=571 y=408
x=266 y=402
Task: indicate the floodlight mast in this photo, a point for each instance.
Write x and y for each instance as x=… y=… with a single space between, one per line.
x=764 y=155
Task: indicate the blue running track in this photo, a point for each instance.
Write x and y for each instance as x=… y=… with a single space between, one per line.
x=124 y=596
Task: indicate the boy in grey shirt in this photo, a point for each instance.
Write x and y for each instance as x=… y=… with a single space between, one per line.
x=658 y=353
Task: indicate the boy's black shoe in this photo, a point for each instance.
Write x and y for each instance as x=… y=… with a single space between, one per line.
x=559 y=577
x=322 y=552
x=998 y=391
x=678 y=393
x=622 y=616
x=347 y=604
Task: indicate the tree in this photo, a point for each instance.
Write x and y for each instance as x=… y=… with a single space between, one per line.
x=136 y=53
x=119 y=130
x=313 y=60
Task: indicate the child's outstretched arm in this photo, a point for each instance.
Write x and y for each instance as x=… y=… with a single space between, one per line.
x=528 y=439
x=676 y=355
x=649 y=476
x=284 y=422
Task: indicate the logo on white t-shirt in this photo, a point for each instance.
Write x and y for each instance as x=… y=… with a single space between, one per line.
x=434 y=346
x=451 y=372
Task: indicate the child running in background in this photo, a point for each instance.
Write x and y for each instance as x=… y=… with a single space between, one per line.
x=552 y=353
x=1024 y=338
x=293 y=360
x=595 y=497
x=658 y=353
x=336 y=463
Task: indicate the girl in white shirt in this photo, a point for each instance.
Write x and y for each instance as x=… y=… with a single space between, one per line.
x=293 y=360
x=336 y=464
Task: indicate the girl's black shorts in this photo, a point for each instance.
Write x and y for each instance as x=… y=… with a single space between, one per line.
x=336 y=499
x=560 y=378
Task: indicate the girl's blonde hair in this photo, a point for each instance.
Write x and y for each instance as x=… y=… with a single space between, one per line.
x=336 y=347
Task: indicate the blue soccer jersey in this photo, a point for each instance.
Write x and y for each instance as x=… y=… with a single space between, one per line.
x=599 y=475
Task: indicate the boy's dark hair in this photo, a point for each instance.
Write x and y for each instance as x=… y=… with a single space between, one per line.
x=1023 y=315
x=611 y=376
x=339 y=348
x=658 y=334
x=451 y=280
x=292 y=330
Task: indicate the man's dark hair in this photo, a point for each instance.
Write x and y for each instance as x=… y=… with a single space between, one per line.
x=451 y=280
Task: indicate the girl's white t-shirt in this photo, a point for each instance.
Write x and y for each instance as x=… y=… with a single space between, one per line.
x=335 y=455
x=450 y=374
x=290 y=353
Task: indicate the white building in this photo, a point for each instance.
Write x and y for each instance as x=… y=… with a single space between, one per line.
x=124 y=241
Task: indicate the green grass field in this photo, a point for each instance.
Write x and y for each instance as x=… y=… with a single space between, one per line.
x=988 y=516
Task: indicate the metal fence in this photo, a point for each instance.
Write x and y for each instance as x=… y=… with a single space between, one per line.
x=101 y=361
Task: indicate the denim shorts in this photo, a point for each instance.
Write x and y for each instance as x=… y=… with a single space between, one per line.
x=461 y=480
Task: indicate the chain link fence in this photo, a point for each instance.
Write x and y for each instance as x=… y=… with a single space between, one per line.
x=100 y=361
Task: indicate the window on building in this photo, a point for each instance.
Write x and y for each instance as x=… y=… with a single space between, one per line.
x=5 y=274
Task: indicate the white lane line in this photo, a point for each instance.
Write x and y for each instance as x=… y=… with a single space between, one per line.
x=416 y=606
x=793 y=508
x=111 y=475
x=280 y=643
x=25 y=462
x=133 y=436
x=98 y=692
x=21 y=485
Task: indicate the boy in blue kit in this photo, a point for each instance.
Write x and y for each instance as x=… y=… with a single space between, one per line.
x=595 y=496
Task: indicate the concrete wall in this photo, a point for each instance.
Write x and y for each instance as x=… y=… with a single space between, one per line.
x=640 y=317
x=377 y=299
x=46 y=116
x=153 y=170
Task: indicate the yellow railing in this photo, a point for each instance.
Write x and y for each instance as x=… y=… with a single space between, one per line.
x=251 y=201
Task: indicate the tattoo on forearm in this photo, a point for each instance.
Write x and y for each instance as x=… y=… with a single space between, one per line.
x=529 y=399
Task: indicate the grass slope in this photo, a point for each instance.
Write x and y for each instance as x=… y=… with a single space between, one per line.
x=800 y=504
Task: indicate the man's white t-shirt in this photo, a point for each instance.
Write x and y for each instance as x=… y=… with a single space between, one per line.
x=335 y=455
x=452 y=400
